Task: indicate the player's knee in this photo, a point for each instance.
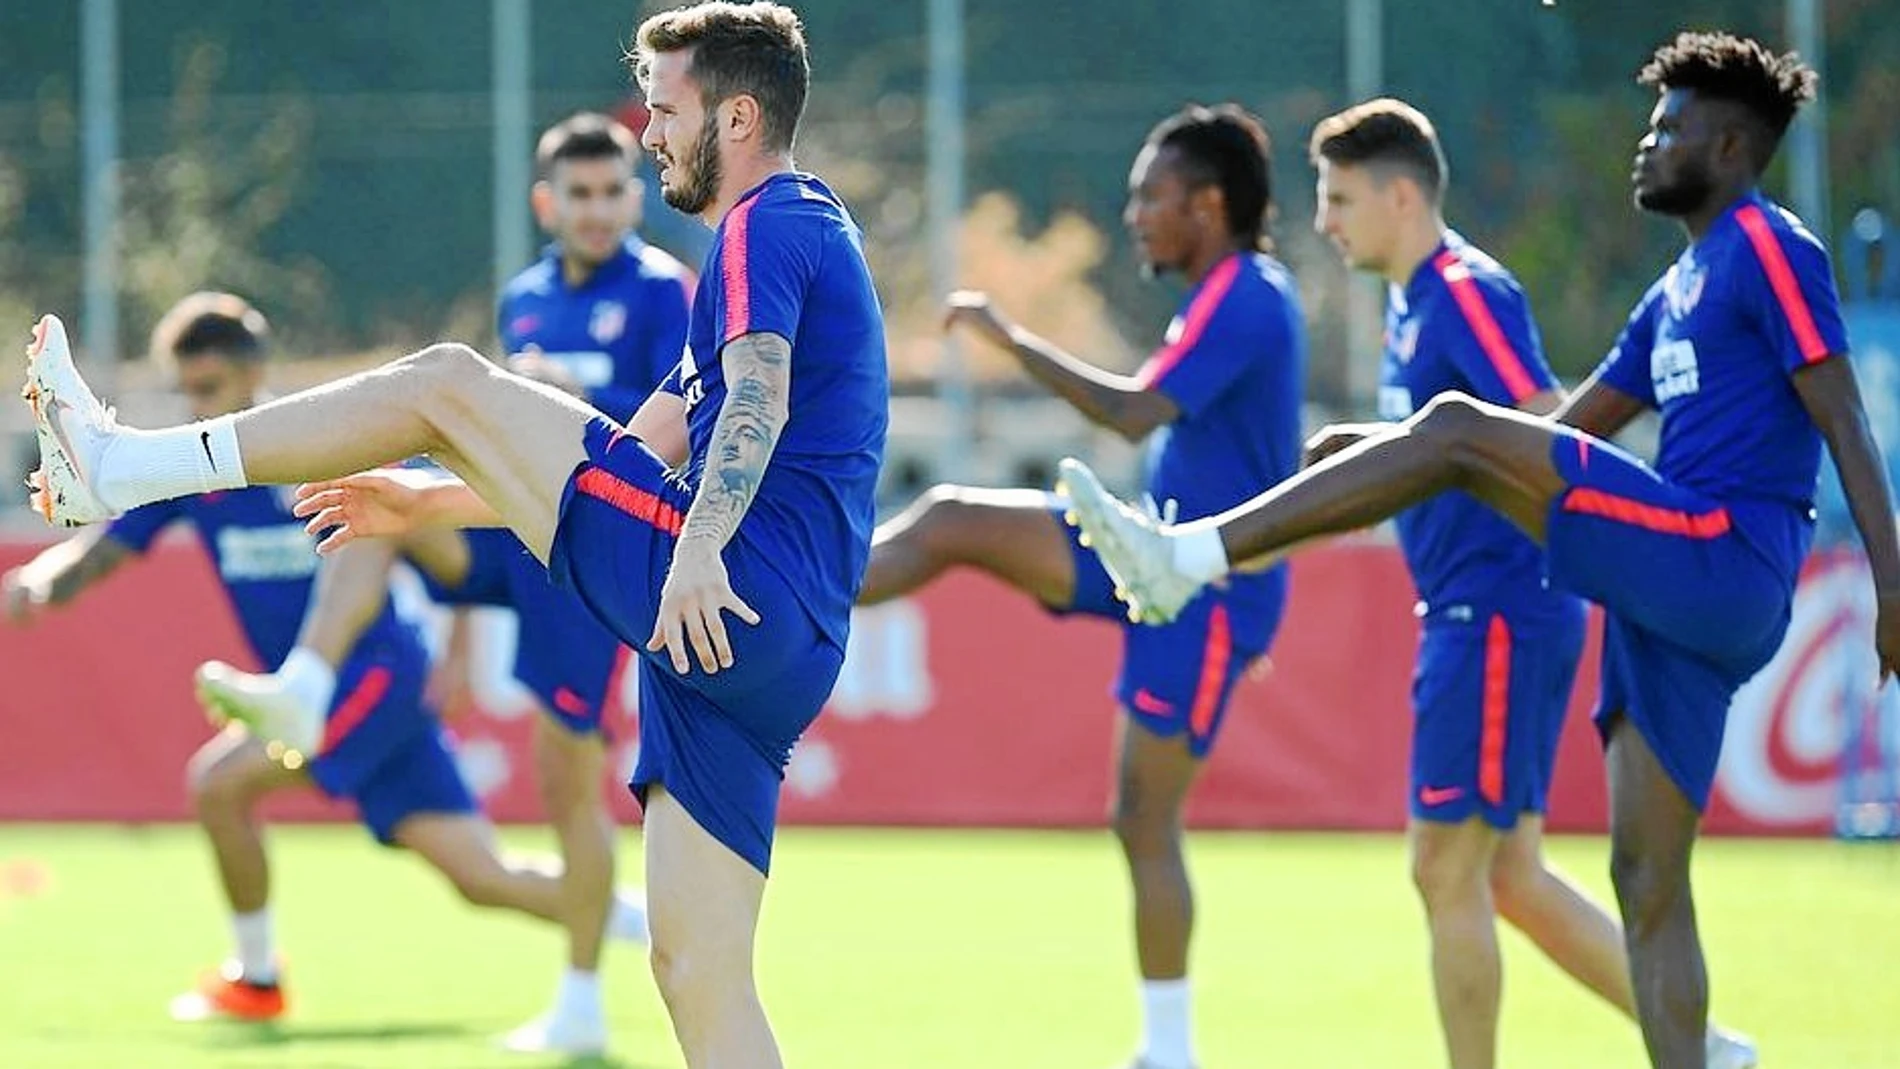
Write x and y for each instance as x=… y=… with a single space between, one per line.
x=1515 y=880
x=1451 y=419
x=1444 y=876
x=437 y=371
x=1649 y=884
x=479 y=886
x=944 y=520
x=689 y=975
x=1145 y=828
x=212 y=784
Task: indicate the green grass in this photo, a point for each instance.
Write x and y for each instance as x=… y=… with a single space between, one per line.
x=911 y=949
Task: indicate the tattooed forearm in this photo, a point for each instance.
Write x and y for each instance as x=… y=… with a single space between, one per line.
x=758 y=372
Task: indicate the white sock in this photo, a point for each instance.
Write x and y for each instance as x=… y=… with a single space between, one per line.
x=579 y=993
x=139 y=467
x=1198 y=553
x=628 y=919
x=310 y=680
x=1165 y=1025
x=256 y=955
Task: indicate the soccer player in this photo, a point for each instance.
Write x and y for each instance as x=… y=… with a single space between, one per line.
x=1499 y=647
x=1740 y=346
x=380 y=747
x=739 y=489
x=602 y=316
x=1220 y=402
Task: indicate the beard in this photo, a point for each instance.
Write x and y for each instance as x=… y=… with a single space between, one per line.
x=1689 y=191
x=702 y=180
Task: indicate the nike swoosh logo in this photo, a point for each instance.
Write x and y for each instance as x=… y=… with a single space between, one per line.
x=1152 y=705
x=1439 y=795
x=204 y=439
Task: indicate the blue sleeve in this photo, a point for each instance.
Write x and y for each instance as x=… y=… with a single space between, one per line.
x=768 y=259
x=1488 y=336
x=1215 y=342
x=504 y=319
x=674 y=382
x=1626 y=368
x=135 y=530
x=1791 y=298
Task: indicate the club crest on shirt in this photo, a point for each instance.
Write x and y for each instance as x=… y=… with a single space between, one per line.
x=1682 y=287
x=608 y=321
x=1403 y=342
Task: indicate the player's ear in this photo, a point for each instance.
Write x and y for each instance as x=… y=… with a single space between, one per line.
x=541 y=198
x=740 y=117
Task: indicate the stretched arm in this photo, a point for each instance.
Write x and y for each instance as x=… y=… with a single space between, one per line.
x=1832 y=397
x=1119 y=402
x=758 y=372
x=387 y=503
x=1598 y=408
x=60 y=572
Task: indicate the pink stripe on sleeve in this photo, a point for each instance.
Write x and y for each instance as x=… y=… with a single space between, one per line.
x=1194 y=323
x=1781 y=279
x=1497 y=348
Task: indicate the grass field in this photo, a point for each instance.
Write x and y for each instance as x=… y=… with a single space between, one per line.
x=909 y=949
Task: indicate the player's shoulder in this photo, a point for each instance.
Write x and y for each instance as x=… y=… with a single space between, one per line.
x=656 y=264
x=535 y=280
x=1760 y=221
x=1460 y=262
x=1261 y=281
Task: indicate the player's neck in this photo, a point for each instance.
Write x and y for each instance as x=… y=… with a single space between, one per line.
x=1698 y=222
x=1207 y=259
x=575 y=272
x=742 y=178
x=1414 y=246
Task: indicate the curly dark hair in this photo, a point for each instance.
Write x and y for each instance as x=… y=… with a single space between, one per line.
x=1740 y=69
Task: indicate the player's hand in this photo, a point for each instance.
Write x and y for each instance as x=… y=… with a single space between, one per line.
x=1334 y=437
x=1887 y=635
x=533 y=364
x=972 y=308
x=24 y=599
x=373 y=504
x=448 y=690
x=692 y=603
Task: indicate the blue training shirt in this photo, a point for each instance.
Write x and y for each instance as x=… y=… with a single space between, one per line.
x=1462 y=323
x=1713 y=346
x=268 y=568
x=788 y=259
x=619 y=332
x=1234 y=362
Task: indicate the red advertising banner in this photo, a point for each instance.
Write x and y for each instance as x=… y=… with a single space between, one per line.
x=965 y=706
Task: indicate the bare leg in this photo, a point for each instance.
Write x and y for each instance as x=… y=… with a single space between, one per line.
x=351 y=588
x=703 y=902
x=1151 y=790
x=1451 y=866
x=1576 y=934
x=1652 y=833
x=227 y=777
x=1499 y=455
x=462 y=847
x=1007 y=533
x=513 y=440
x=568 y=769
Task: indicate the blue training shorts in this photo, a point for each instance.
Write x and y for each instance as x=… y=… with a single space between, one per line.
x=1488 y=698
x=1693 y=609
x=563 y=655
x=716 y=742
x=1177 y=677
